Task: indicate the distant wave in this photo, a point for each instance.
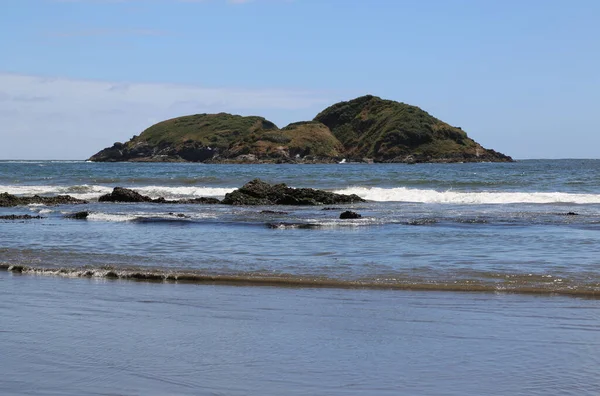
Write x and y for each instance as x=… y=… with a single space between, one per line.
x=183 y=192
x=91 y=192
x=378 y=194
x=403 y=194
x=83 y=191
x=507 y=283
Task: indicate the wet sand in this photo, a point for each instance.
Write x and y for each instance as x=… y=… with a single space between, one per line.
x=97 y=336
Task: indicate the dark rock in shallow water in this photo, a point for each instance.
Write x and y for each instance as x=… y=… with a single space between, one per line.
x=350 y=215
x=273 y=212
x=120 y=194
x=180 y=215
x=77 y=215
x=20 y=217
x=421 y=222
x=7 y=200
x=258 y=192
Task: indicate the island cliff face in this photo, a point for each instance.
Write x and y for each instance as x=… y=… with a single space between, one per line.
x=366 y=129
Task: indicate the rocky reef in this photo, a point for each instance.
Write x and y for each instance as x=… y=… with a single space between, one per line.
x=257 y=192
x=7 y=200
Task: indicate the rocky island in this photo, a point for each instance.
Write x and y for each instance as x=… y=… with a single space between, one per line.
x=365 y=129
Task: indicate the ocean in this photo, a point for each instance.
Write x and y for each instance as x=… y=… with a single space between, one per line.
x=458 y=279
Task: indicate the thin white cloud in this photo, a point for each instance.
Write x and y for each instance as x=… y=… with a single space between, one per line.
x=43 y=117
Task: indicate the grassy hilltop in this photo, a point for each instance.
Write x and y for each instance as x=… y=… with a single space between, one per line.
x=364 y=129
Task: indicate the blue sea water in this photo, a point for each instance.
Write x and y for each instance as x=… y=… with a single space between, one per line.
x=525 y=226
x=458 y=279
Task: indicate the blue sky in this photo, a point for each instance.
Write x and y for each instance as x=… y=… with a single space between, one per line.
x=521 y=77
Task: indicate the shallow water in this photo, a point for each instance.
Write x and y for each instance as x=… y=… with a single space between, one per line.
x=530 y=226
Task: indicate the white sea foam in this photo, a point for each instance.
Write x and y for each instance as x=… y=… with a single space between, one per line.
x=182 y=192
x=90 y=192
x=39 y=209
x=123 y=217
x=399 y=194
x=111 y=217
x=83 y=191
x=402 y=194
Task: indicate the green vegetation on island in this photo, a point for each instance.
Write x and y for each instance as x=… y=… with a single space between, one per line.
x=366 y=129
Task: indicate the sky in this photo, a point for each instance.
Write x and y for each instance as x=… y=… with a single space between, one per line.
x=520 y=77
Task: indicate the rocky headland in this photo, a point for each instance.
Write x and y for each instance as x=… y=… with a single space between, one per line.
x=365 y=129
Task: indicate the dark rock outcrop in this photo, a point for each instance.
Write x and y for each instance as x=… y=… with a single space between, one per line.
x=121 y=194
x=350 y=215
x=258 y=192
x=77 y=215
x=7 y=200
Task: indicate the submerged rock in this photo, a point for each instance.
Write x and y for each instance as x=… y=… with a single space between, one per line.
x=200 y=200
x=284 y=225
x=258 y=192
x=7 y=200
x=350 y=215
x=20 y=217
x=180 y=215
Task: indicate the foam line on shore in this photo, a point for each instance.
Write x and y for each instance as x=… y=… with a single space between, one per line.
x=542 y=285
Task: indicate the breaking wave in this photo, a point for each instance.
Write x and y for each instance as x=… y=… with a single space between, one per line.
x=183 y=192
x=91 y=192
x=403 y=194
x=377 y=194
